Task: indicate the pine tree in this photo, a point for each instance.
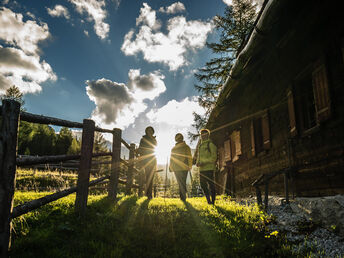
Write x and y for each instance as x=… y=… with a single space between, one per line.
x=233 y=28
x=14 y=93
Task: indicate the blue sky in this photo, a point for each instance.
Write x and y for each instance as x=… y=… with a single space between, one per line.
x=126 y=64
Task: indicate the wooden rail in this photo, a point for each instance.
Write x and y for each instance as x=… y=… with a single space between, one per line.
x=265 y=179
x=11 y=115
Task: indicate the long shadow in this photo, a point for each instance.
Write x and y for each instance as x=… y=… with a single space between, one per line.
x=210 y=238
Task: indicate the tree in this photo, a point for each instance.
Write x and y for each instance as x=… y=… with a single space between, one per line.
x=15 y=94
x=63 y=141
x=233 y=27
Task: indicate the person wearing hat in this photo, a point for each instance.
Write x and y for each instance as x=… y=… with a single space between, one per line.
x=147 y=159
x=181 y=163
x=206 y=161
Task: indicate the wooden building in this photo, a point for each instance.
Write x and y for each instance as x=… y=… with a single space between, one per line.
x=283 y=106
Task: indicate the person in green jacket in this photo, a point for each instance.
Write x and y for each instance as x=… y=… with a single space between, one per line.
x=181 y=163
x=206 y=161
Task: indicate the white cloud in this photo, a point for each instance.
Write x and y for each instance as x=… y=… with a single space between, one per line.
x=86 y=33
x=176 y=113
x=118 y=104
x=175 y=117
x=173 y=8
x=59 y=11
x=171 y=48
x=20 y=63
x=148 y=17
x=16 y=32
x=228 y=2
x=95 y=9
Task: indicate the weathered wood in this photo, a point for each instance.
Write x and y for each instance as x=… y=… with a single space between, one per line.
x=8 y=152
x=34 y=204
x=33 y=160
x=286 y=187
x=98 y=129
x=130 y=168
x=259 y=196
x=115 y=166
x=85 y=166
x=141 y=183
x=125 y=144
x=39 y=119
x=266 y=199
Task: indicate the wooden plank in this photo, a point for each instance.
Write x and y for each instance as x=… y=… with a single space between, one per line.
x=8 y=141
x=125 y=143
x=8 y=152
x=34 y=204
x=33 y=160
x=115 y=166
x=85 y=166
x=292 y=115
x=39 y=119
x=266 y=131
x=130 y=169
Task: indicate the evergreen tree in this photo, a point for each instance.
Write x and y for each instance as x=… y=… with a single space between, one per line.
x=63 y=141
x=233 y=28
x=15 y=94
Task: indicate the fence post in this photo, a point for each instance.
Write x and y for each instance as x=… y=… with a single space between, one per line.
x=130 y=169
x=115 y=163
x=266 y=199
x=85 y=166
x=8 y=153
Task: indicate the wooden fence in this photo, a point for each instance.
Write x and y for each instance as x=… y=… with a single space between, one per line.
x=10 y=116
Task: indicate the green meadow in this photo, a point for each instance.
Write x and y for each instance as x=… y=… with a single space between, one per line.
x=138 y=227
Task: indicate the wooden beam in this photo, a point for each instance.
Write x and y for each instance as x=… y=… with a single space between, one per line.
x=130 y=169
x=115 y=166
x=32 y=160
x=39 y=119
x=8 y=152
x=85 y=166
x=32 y=205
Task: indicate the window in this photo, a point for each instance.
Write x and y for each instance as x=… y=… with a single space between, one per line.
x=227 y=151
x=235 y=145
x=260 y=134
x=221 y=154
x=309 y=103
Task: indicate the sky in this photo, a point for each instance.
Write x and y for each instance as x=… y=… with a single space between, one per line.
x=127 y=64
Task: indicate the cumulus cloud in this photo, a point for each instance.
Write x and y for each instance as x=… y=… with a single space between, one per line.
x=174 y=117
x=148 y=17
x=173 y=8
x=170 y=48
x=59 y=11
x=119 y=104
x=16 y=32
x=176 y=113
x=95 y=9
x=228 y=2
x=20 y=63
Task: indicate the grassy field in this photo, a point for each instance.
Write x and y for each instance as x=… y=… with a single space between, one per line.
x=137 y=227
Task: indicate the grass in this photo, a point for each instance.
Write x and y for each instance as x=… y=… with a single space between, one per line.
x=138 y=227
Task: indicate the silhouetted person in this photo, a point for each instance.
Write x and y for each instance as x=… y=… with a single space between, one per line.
x=147 y=158
x=206 y=161
x=181 y=163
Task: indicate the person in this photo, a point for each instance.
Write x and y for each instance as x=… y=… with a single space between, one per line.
x=206 y=161
x=181 y=163
x=147 y=159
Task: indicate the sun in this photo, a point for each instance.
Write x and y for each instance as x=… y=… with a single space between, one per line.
x=165 y=142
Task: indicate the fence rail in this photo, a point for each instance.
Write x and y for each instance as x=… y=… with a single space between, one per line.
x=11 y=115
